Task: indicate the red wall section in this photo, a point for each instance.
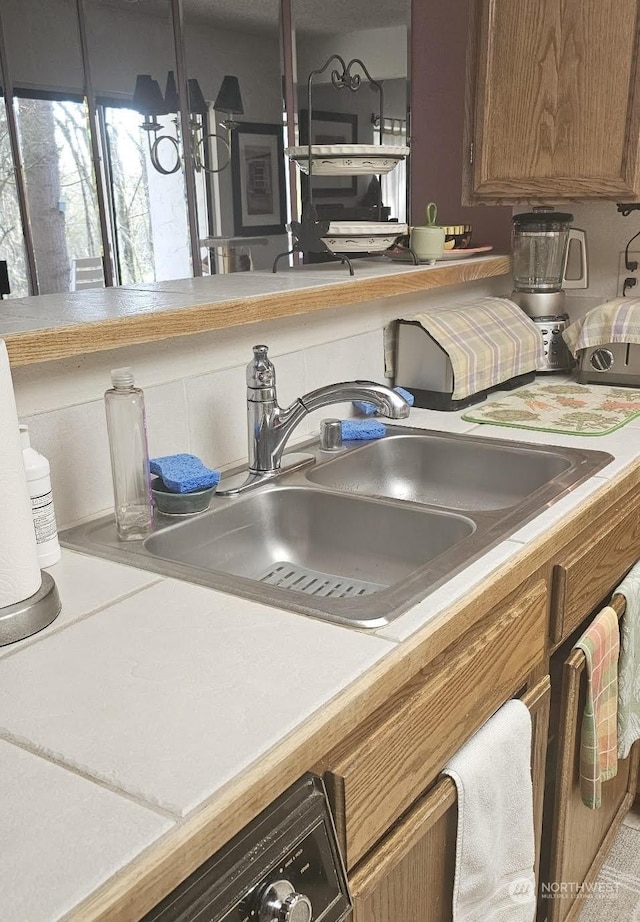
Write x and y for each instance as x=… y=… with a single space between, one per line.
x=438 y=62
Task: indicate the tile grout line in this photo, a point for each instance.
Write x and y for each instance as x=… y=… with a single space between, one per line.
x=46 y=756
x=187 y=413
x=39 y=636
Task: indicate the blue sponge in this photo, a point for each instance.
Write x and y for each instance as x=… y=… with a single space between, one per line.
x=184 y=473
x=368 y=409
x=363 y=429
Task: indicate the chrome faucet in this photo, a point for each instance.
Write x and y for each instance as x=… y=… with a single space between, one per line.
x=270 y=425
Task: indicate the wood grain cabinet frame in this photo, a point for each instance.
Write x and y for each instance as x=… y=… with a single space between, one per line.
x=592 y=567
x=580 y=837
x=409 y=876
x=554 y=104
x=375 y=776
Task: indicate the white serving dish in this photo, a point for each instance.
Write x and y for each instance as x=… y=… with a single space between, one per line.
x=362 y=237
x=366 y=228
x=347 y=159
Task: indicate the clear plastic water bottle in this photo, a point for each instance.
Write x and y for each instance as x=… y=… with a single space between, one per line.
x=126 y=425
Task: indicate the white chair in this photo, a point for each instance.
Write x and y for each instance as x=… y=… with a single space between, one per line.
x=87 y=272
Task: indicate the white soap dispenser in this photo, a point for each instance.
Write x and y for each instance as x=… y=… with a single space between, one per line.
x=44 y=517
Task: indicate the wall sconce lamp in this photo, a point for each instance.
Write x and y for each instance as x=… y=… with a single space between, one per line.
x=228 y=101
x=149 y=101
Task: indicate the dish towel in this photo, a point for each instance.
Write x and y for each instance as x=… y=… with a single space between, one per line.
x=617 y=321
x=488 y=342
x=495 y=847
x=629 y=664
x=600 y=644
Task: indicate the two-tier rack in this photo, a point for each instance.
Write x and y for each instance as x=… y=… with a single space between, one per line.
x=308 y=232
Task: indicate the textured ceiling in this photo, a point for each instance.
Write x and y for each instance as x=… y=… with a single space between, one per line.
x=310 y=16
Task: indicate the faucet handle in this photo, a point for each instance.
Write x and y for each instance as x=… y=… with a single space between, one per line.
x=260 y=370
x=331 y=435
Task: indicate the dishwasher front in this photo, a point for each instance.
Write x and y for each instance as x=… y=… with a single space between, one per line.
x=285 y=866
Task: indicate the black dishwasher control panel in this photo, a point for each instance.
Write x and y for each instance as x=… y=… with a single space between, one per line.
x=283 y=867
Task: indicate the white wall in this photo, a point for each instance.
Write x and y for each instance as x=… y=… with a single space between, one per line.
x=384 y=51
x=44 y=52
x=607 y=235
x=195 y=389
x=43 y=44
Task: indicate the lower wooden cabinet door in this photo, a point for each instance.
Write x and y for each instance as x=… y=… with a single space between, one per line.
x=580 y=837
x=409 y=876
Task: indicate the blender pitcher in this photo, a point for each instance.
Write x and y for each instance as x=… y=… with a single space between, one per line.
x=541 y=241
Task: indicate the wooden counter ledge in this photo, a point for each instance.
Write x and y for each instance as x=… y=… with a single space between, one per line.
x=59 y=326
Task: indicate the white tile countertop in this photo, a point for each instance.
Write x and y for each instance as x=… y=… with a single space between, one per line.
x=63 y=325
x=147 y=696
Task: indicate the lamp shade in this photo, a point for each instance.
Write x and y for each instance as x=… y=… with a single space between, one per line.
x=197 y=104
x=171 y=101
x=229 y=98
x=147 y=96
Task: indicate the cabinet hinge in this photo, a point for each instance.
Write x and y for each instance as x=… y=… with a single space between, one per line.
x=471 y=153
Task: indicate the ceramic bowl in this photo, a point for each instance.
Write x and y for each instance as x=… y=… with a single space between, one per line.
x=457 y=236
x=180 y=503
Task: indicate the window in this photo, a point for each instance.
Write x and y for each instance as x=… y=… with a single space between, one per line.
x=148 y=208
x=60 y=187
x=394 y=183
x=11 y=240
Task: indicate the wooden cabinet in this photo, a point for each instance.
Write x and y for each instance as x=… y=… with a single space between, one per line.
x=592 y=566
x=554 y=104
x=576 y=839
x=580 y=837
x=381 y=770
x=409 y=876
x=397 y=819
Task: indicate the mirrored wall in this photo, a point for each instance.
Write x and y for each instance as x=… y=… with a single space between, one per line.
x=149 y=135
x=232 y=50
x=376 y=33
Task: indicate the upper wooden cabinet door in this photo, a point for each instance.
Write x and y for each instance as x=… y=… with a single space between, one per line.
x=557 y=99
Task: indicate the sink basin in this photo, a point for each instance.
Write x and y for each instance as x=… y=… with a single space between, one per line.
x=306 y=541
x=441 y=471
x=359 y=537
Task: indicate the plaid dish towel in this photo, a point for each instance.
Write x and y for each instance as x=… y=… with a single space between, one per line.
x=617 y=321
x=599 y=742
x=629 y=669
x=488 y=341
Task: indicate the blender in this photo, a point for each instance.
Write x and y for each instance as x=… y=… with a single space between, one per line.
x=541 y=241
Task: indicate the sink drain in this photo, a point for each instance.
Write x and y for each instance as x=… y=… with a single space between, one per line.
x=314 y=582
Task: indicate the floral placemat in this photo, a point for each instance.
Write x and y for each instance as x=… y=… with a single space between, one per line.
x=577 y=409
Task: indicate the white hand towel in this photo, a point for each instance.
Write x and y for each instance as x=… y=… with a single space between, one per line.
x=19 y=570
x=629 y=664
x=495 y=848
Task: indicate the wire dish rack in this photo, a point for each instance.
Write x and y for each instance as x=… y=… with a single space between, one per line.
x=314 y=236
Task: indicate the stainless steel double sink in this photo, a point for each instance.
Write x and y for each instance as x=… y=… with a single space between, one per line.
x=357 y=537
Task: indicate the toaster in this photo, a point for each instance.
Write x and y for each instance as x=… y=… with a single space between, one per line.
x=611 y=363
x=424 y=367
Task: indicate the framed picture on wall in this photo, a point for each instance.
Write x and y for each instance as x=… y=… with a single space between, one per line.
x=330 y=128
x=257 y=172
